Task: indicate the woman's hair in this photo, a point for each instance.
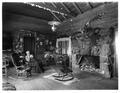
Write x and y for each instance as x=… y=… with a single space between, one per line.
x=27 y=52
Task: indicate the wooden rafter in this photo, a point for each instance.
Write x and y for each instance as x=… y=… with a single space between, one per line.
x=79 y=8
x=70 y=14
x=90 y=5
x=55 y=16
x=63 y=16
x=54 y=13
x=76 y=7
x=65 y=7
x=52 y=8
x=53 y=4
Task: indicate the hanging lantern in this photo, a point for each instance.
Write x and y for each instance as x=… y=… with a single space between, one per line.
x=53 y=24
x=53 y=28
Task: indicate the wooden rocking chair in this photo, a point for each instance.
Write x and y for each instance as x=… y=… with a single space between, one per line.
x=21 y=69
x=64 y=73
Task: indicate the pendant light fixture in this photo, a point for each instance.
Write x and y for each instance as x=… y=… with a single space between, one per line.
x=53 y=24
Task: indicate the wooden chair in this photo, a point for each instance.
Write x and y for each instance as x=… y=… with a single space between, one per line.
x=4 y=66
x=21 y=69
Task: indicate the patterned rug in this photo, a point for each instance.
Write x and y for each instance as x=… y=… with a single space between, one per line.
x=50 y=76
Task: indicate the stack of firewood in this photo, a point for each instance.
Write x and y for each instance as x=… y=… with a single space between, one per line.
x=87 y=64
x=87 y=67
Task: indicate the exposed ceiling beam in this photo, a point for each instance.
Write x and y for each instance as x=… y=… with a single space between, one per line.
x=54 y=5
x=76 y=7
x=79 y=8
x=53 y=9
x=90 y=5
x=63 y=16
x=55 y=16
x=66 y=8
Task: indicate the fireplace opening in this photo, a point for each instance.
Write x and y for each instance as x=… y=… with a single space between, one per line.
x=89 y=63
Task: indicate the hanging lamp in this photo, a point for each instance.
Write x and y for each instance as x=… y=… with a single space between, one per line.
x=53 y=24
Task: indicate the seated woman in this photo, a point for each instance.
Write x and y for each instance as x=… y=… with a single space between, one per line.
x=32 y=62
x=20 y=68
x=27 y=62
x=28 y=56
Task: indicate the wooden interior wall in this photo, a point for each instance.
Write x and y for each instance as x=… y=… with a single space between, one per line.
x=20 y=25
x=15 y=22
x=7 y=41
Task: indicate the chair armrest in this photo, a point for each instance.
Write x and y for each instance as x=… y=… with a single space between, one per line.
x=20 y=66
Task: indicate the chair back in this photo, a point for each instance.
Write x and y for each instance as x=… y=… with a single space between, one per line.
x=5 y=61
x=13 y=61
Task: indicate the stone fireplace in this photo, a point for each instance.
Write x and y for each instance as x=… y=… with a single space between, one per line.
x=97 y=64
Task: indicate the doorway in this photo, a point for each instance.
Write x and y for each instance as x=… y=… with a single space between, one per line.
x=64 y=45
x=29 y=44
x=64 y=48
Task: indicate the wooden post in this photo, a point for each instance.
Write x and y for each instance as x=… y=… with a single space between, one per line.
x=104 y=61
x=35 y=44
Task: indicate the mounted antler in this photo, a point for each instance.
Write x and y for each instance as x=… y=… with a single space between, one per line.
x=99 y=16
x=87 y=25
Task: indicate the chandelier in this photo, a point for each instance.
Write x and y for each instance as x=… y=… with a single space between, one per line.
x=53 y=24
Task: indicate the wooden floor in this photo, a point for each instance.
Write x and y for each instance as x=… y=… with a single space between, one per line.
x=87 y=80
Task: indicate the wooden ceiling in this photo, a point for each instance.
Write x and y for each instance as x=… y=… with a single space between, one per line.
x=36 y=19
x=71 y=9
x=104 y=17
